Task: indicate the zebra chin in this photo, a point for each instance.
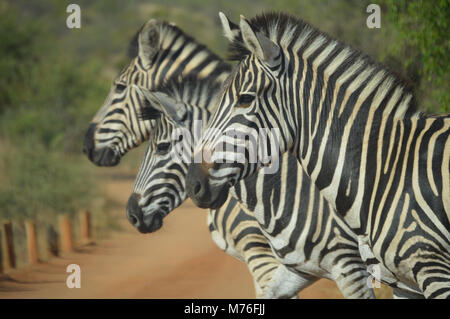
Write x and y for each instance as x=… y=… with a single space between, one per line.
x=202 y=193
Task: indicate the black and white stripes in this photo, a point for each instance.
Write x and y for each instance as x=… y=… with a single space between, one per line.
x=160 y=184
x=159 y=51
x=319 y=244
x=352 y=126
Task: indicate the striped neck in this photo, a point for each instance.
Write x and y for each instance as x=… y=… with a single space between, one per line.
x=181 y=55
x=339 y=102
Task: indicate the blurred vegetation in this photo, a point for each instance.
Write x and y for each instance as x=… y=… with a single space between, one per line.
x=423 y=31
x=53 y=79
x=47 y=98
x=44 y=107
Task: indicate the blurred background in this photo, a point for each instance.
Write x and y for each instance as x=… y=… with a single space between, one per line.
x=53 y=79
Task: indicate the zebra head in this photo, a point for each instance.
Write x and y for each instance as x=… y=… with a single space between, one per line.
x=115 y=128
x=160 y=185
x=244 y=132
x=159 y=52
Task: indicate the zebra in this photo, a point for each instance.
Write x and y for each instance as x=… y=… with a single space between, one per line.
x=352 y=126
x=159 y=189
x=329 y=249
x=161 y=52
x=158 y=51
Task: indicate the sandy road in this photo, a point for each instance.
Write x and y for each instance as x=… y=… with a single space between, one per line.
x=178 y=261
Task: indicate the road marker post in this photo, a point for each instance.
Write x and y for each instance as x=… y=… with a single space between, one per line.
x=9 y=256
x=32 y=247
x=65 y=227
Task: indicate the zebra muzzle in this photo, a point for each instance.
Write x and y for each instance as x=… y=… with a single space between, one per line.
x=145 y=223
x=202 y=193
x=104 y=156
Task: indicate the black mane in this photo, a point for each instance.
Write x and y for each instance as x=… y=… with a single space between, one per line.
x=185 y=89
x=284 y=22
x=264 y=22
x=133 y=47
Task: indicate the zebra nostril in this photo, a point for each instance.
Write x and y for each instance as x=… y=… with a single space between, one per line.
x=134 y=213
x=89 y=145
x=133 y=220
x=197 y=188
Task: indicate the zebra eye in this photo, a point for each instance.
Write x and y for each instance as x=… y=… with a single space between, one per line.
x=120 y=88
x=245 y=100
x=162 y=147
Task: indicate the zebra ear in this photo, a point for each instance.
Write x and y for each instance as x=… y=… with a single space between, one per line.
x=148 y=42
x=230 y=30
x=172 y=109
x=259 y=44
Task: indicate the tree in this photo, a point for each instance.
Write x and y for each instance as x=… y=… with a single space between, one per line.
x=423 y=32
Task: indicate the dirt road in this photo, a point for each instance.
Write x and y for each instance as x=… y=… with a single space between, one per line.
x=178 y=261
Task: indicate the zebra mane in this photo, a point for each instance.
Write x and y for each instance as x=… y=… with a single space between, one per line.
x=275 y=25
x=285 y=30
x=187 y=89
x=172 y=31
x=147 y=112
x=133 y=46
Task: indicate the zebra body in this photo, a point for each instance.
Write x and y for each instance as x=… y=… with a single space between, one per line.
x=352 y=126
x=304 y=230
x=237 y=233
x=321 y=245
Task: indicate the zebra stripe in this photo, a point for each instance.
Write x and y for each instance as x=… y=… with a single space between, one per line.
x=353 y=127
x=159 y=51
x=160 y=186
x=320 y=245
x=118 y=126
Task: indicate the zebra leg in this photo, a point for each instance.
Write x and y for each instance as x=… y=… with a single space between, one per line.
x=287 y=284
x=259 y=291
x=355 y=284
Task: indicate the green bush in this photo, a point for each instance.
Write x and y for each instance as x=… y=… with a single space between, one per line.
x=423 y=40
x=47 y=100
x=40 y=183
x=17 y=44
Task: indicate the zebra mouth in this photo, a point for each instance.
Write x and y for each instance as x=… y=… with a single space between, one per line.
x=107 y=157
x=151 y=222
x=202 y=193
x=103 y=157
x=213 y=199
x=145 y=222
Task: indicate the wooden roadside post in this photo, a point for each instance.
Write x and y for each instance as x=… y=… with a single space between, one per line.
x=65 y=227
x=52 y=241
x=9 y=256
x=85 y=227
x=33 y=257
x=1 y=257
